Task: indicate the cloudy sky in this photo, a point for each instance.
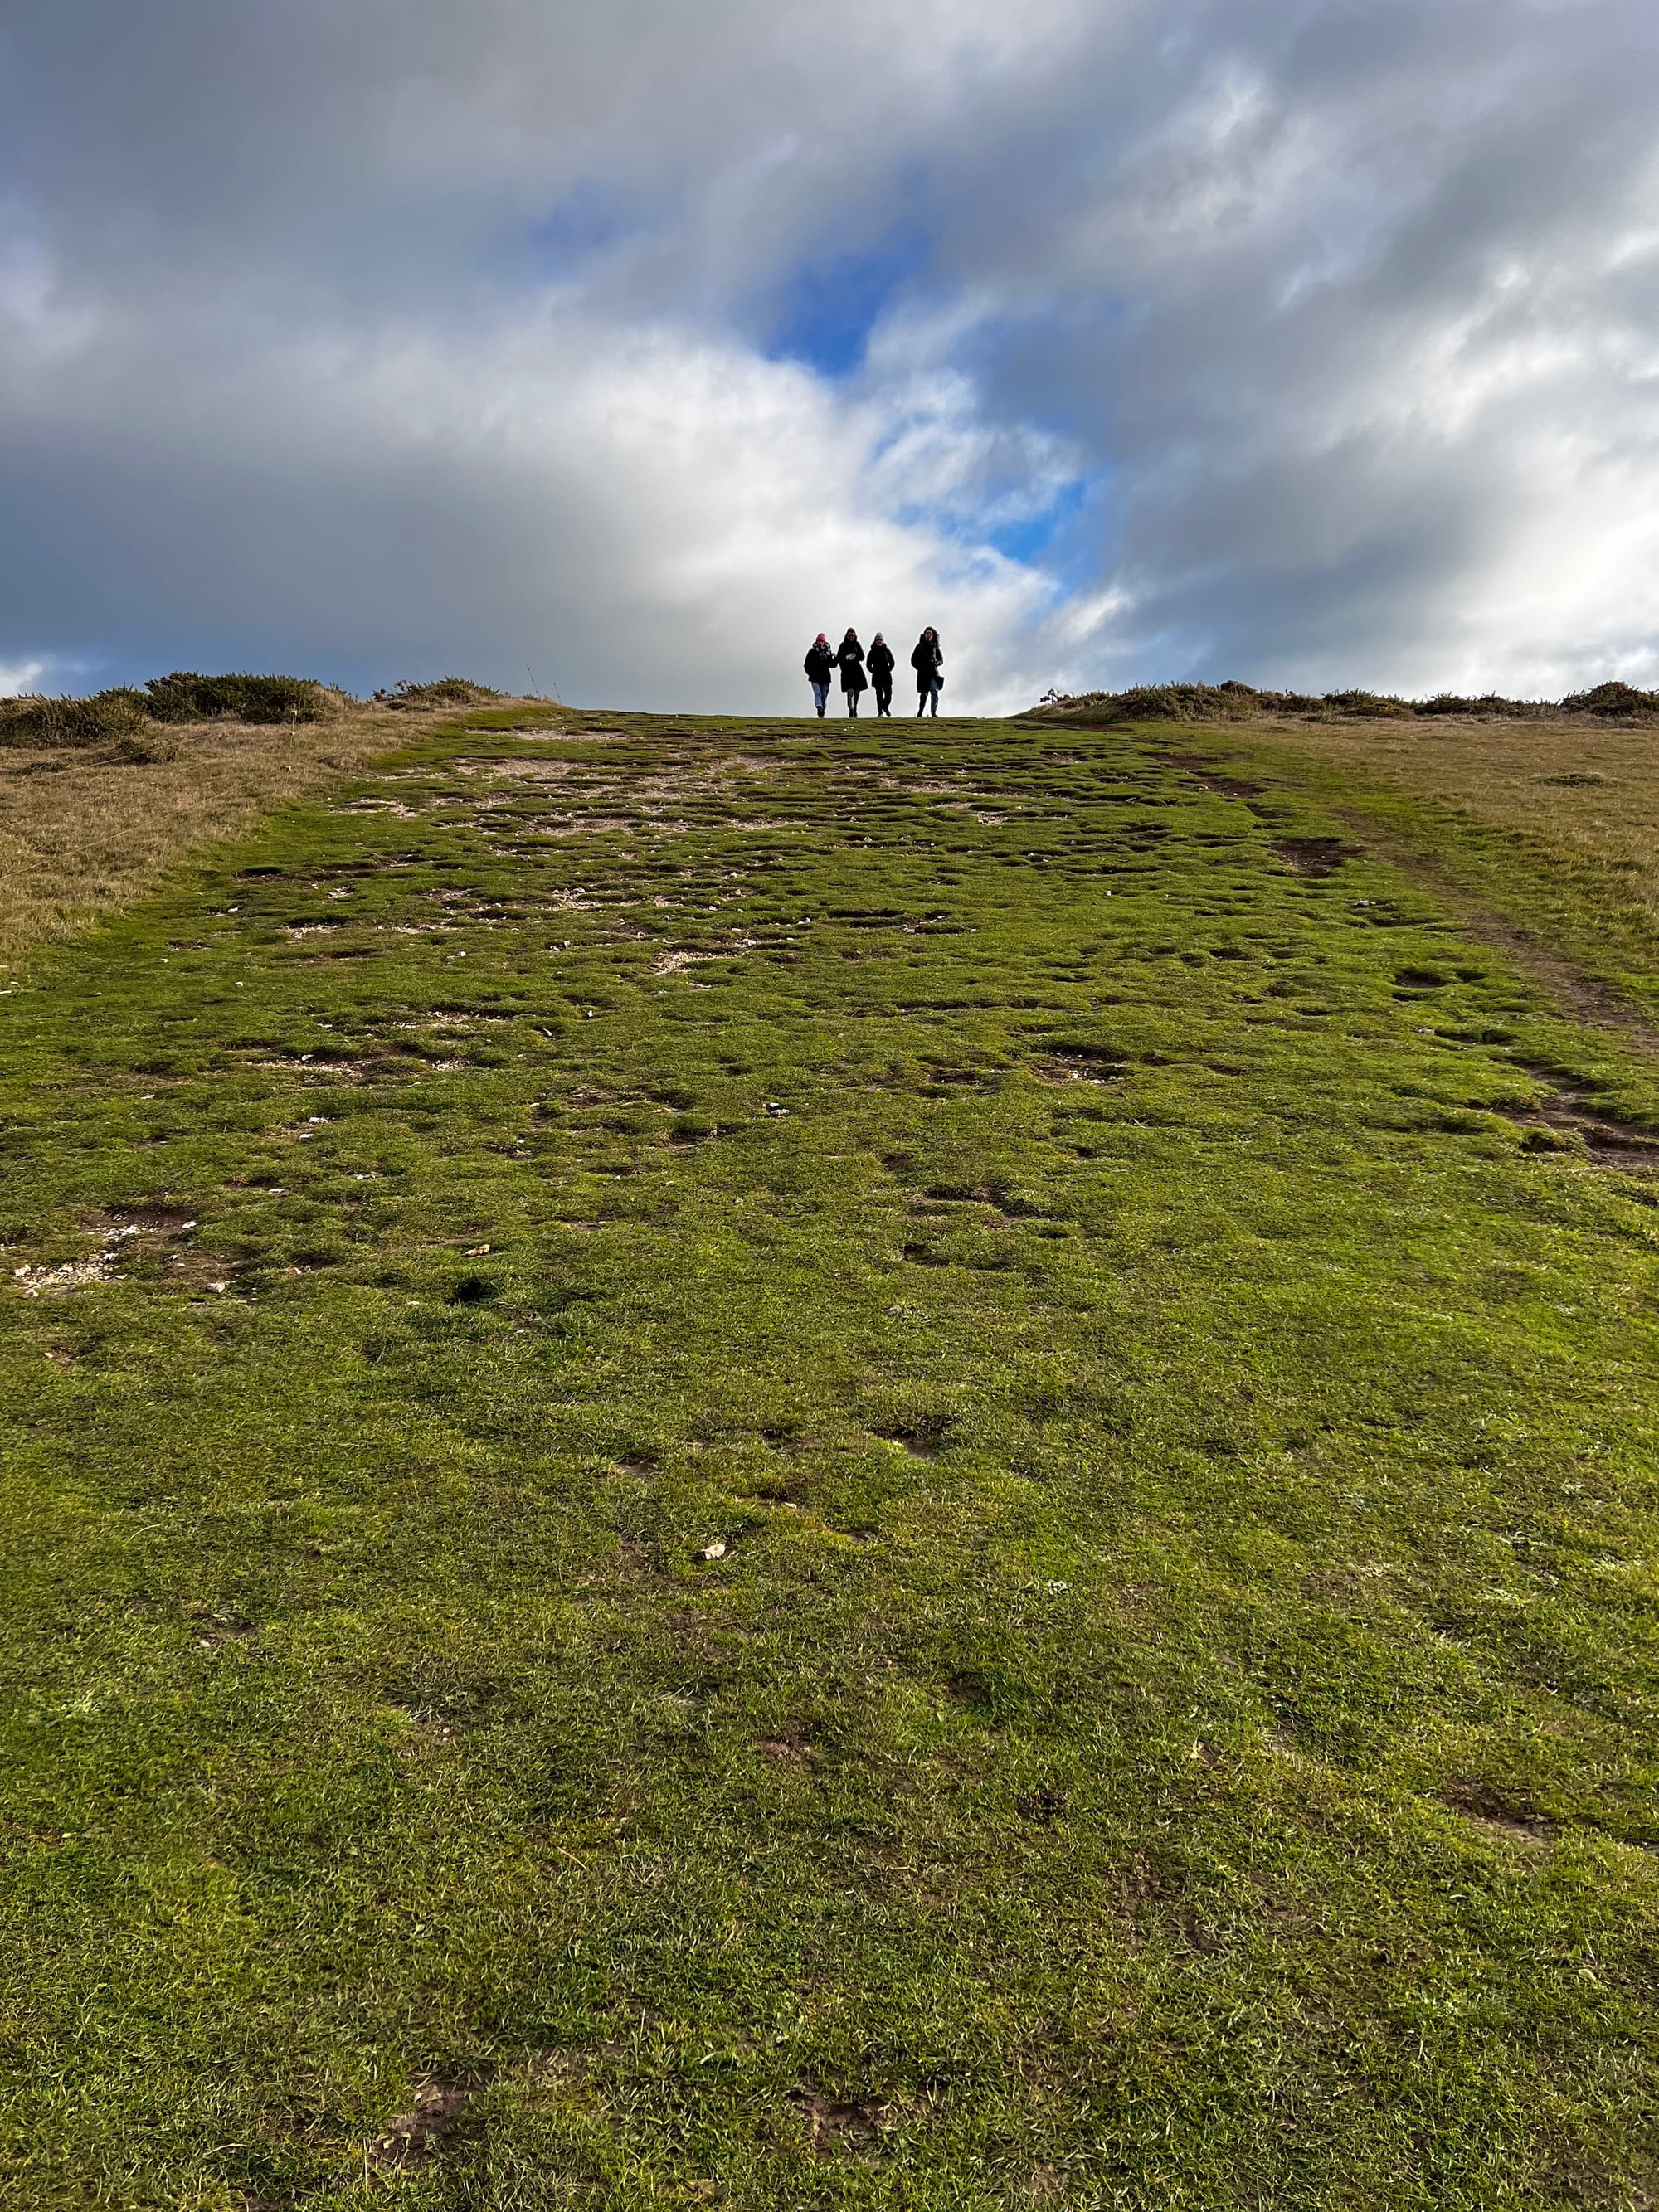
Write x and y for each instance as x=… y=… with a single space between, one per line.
x=1313 y=342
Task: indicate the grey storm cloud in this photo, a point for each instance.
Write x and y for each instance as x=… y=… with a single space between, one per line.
x=1305 y=341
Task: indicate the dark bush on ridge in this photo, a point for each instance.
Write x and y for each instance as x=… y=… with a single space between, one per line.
x=1616 y=702
x=185 y=697
x=1234 y=702
x=1165 y=703
x=55 y=724
x=446 y=691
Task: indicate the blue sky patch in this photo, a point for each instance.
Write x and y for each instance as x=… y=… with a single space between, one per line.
x=825 y=310
x=1034 y=535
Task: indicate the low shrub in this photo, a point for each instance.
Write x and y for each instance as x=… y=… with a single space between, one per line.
x=1615 y=703
x=1233 y=701
x=64 y=725
x=186 y=696
x=1162 y=702
x=446 y=691
x=1367 y=703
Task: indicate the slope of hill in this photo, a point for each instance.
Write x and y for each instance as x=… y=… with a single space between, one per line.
x=782 y=1464
x=99 y=798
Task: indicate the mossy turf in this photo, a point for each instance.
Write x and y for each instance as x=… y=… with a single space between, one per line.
x=924 y=1478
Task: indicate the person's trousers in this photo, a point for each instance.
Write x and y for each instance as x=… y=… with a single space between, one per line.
x=929 y=698
x=820 y=696
x=884 y=697
x=852 y=704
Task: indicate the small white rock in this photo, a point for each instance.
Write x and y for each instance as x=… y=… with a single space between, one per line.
x=714 y=1551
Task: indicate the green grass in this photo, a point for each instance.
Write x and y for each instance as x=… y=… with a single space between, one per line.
x=1172 y=1725
x=1577 y=880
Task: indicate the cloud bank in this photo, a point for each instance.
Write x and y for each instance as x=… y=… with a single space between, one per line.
x=1313 y=342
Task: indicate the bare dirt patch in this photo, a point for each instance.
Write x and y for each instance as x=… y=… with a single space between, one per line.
x=924 y=1439
x=386 y=809
x=156 y=1220
x=789 y=1749
x=673 y=964
x=1495 y=1814
x=421 y=2131
x=1313 y=856
x=72 y=1275
x=329 y=1071
x=835 y=2125
x=151 y=1234
x=125 y=1233
x=1212 y=779
x=212 y=1629
x=1077 y=1064
x=1569 y=1122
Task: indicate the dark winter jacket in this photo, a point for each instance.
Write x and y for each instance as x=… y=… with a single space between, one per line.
x=851 y=658
x=880 y=660
x=819 y=663
x=927 y=659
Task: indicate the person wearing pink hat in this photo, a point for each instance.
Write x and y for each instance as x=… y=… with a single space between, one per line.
x=820 y=666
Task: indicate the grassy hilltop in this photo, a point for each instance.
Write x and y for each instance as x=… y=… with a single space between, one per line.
x=788 y=1465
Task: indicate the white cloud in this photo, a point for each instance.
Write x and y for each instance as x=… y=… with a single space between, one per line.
x=634 y=513
x=1340 y=323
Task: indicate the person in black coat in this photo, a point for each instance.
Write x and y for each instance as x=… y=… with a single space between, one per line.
x=928 y=660
x=820 y=666
x=880 y=661
x=851 y=658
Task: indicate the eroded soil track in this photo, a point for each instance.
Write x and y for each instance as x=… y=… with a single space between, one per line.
x=786 y=1467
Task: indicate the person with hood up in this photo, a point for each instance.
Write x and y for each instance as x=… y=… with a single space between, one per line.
x=928 y=660
x=879 y=661
x=851 y=658
x=819 y=665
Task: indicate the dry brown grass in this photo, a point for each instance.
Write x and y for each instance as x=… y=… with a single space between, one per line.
x=1508 y=774
x=85 y=833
